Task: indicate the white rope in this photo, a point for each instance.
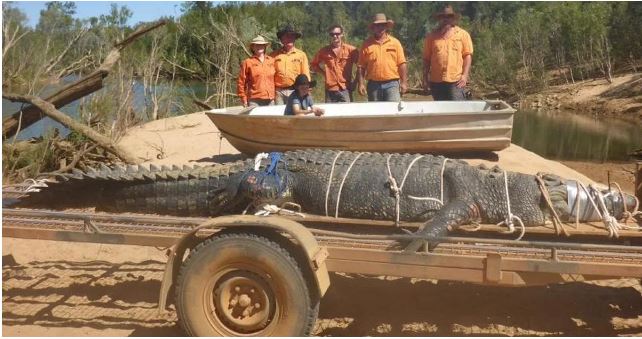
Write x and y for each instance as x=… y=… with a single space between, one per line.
x=441 y=187
x=268 y=209
x=510 y=217
x=610 y=223
x=258 y=158
x=628 y=215
x=336 y=210
x=35 y=185
x=397 y=190
x=327 y=189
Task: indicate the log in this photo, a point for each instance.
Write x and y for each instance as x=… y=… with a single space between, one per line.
x=66 y=95
x=74 y=91
x=50 y=110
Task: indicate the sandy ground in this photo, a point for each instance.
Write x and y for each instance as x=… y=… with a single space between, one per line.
x=621 y=98
x=71 y=289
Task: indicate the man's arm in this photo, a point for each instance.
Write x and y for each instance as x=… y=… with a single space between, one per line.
x=317 y=65
x=240 y=85
x=468 y=60
x=305 y=67
x=426 y=75
x=361 y=76
x=467 y=52
x=403 y=78
x=426 y=57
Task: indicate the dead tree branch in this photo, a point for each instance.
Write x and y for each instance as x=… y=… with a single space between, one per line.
x=50 y=110
x=76 y=90
x=55 y=61
x=11 y=38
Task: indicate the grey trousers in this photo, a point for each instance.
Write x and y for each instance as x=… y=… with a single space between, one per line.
x=260 y=102
x=282 y=95
x=383 y=90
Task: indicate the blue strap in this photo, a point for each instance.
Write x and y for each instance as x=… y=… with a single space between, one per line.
x=275 y=157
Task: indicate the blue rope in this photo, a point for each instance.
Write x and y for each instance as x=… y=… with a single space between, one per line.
x=275 y=157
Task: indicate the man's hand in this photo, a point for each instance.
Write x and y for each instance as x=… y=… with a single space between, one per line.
x=425 y=83
x=362 y=89
x=403 y=87
x=318 y=111
x=244 y=103
x=463 y=81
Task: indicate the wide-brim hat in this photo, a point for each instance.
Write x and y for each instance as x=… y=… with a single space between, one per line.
x=446 y=11
x=259 y=40
x=302 y=79
x=380 y=18
x=288 y=29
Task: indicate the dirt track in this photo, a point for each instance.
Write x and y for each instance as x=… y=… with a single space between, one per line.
x=71 y=289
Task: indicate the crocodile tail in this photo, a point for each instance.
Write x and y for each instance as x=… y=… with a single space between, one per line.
x=181 y=191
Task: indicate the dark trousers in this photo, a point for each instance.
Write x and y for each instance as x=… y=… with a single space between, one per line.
x=447 y=91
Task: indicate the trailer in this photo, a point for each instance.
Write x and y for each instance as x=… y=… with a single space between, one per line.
x=266 y=275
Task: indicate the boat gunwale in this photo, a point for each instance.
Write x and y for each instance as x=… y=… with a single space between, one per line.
x=246 y=112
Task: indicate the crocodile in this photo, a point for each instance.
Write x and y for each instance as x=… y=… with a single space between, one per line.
x=442 y=193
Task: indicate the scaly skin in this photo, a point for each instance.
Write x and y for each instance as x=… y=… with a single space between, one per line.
x=470 y=193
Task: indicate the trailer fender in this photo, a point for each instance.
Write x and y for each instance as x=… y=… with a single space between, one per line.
x=314 y=253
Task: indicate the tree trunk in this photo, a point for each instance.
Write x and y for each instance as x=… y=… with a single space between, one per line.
x=51 y=111
x=74 y=91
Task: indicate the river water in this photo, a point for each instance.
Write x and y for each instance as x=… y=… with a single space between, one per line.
x=553 y=135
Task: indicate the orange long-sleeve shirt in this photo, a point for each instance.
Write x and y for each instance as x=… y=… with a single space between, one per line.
x=288 y=66
x=337 y=68
x=256 y=79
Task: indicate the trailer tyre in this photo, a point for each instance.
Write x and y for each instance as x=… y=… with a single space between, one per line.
x=243 y=284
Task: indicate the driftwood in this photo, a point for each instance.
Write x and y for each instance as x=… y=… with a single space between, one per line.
x=50 y=110
x=74 y=91
x=202 y=104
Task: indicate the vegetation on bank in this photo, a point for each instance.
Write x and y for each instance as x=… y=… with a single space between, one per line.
x=520 y=48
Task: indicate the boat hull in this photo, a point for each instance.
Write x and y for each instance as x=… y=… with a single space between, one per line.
x=444 y=132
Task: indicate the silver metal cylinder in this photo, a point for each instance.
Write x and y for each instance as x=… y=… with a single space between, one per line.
x=584 y=208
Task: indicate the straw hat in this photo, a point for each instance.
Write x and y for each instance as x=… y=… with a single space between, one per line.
x=380 y=18
x=287 y=29
x=446 y=11
x=259 y=40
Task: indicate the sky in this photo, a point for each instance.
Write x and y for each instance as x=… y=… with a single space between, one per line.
x=142 y=10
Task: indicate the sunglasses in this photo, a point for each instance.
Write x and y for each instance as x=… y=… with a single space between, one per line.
x=335 y=34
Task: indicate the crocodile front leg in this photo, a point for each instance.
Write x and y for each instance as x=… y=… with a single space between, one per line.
x=455 y=213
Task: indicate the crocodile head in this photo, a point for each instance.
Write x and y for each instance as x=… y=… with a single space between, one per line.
x=261 y=188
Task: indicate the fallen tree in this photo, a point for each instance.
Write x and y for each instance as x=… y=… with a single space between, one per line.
x=74 y=91
x=50 y=110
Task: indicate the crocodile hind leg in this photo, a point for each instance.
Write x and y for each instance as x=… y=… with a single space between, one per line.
x=457 y=212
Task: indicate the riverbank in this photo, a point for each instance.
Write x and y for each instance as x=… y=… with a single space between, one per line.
x=621 y=99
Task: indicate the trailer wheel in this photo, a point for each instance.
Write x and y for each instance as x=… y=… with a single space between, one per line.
x=243 y=284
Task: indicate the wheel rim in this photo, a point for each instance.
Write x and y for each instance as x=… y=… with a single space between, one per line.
x=242 y=302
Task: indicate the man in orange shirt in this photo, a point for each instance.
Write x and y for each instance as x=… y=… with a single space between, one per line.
x=289 y=62
x=383 y=63
x=448 y=54
x=335 y=62
x=256 y=77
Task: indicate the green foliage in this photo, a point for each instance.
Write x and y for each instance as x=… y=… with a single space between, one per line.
x=522 y=46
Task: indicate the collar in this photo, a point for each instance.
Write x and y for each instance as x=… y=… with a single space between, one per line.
x=386 y=38
x=294 y=50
